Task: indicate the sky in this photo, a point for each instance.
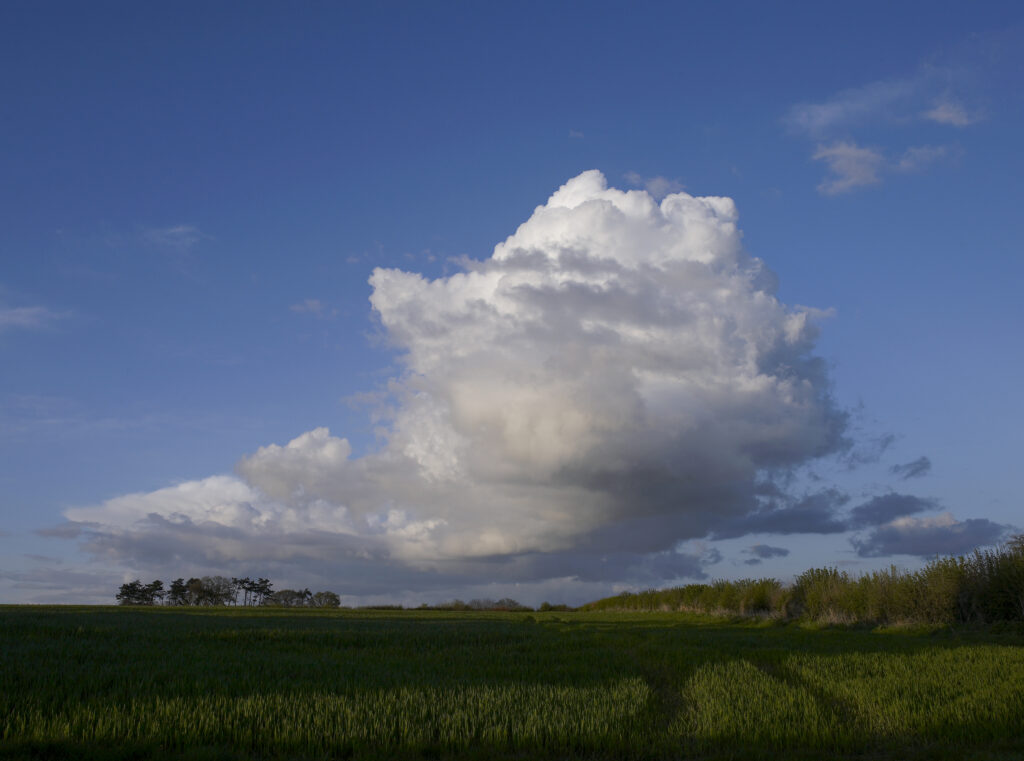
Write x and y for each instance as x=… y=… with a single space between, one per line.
x=549 y=301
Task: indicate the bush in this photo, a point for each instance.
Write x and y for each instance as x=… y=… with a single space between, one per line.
x=757 y=596
x=546 y=607
x=818 y=593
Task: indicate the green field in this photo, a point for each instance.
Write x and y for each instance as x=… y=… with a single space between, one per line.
x=257 y=683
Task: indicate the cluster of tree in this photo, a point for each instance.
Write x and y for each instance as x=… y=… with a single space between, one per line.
x=137 y=593
x=293 y=598
x=983 y=587
x=220 y=590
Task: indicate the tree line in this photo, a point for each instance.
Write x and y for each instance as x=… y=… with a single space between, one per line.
x=220 y=590
x=984 y=587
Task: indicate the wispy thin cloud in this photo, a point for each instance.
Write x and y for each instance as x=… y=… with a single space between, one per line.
x=28 y=318
x=931 y=93
x=849 y=108
x=920 y=157
x=178 y=238
x=314 y=307
x=850 y=166
x=853 y=166
x=952 y=113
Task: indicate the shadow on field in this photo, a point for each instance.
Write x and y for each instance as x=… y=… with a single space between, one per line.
x=155 y=683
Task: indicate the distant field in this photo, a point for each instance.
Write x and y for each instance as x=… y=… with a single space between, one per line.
x=256 y=683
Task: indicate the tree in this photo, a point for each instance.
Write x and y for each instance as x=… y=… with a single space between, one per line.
x=253 y=592
x=287 y=598
x=216 y=590
x=137 y=593
x=261 y=590
x=325 y=600
x=178 y=593
x=209 y=590
x=154 y=593
x=247 y=586
x=130 y=593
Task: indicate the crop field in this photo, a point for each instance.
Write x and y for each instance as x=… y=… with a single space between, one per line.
x=154 y=683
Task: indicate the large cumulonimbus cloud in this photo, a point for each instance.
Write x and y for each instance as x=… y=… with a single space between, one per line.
x=617 y=377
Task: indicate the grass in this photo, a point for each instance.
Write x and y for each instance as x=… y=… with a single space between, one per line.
x=155 y=683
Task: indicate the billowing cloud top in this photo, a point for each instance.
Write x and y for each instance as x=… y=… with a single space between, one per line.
x=617 y=376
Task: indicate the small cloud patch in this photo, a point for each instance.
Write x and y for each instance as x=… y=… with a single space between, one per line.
x=850 y=166
x=918 y=468
x=762 y=552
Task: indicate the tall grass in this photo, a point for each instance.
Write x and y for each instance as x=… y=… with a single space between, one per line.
x=986 y=586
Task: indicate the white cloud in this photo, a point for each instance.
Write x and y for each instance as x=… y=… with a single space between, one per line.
x=613 y=380
x=851 y=166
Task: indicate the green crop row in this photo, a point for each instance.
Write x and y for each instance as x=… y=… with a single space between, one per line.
x=310 y=684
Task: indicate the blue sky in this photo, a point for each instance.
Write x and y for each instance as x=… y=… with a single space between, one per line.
x=196 y=198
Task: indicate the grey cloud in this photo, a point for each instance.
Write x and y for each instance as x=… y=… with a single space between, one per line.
x=888 y=507
x=66 y=530
x=816 y=513
x=765 y=551
x=922 y=466
x=925 y=537
x=360 y=569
